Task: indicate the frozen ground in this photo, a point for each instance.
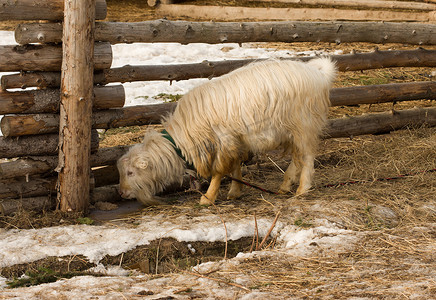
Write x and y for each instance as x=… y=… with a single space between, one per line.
x=93 y=242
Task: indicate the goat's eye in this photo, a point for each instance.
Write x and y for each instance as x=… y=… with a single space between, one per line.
x=129 y=173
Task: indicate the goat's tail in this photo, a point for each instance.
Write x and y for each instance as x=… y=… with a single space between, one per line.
x=326 y=66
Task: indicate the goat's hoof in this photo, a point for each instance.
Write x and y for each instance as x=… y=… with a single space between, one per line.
x=283 y=191
x=205 y=201
x=233 y=195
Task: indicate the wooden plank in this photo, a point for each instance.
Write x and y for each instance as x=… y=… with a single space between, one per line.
x=240 y=32
x=232 y=13
x=46 y=57
x=360 y=3
x=47 y=100
x=52 y=10
x=77 y=79
x=209 y=69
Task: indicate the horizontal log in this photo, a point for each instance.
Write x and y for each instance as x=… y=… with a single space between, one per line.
x=52 y=10
x=33 y=186
x=34 y=124
x=152 y=114
x=376 y=123
x=209 y=69
x=100 y=194
x=360 y=3
x=239 y=32
x=383 y=93
x=231 y=13
x=36 y=145
x=47 y=100
x=46 y=57
x=23 y=188
x=10 y=206
x=33 y=165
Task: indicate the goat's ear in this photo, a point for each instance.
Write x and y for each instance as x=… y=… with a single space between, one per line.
x=141 y=163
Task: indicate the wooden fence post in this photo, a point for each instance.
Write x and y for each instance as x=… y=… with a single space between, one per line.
x=76 y=105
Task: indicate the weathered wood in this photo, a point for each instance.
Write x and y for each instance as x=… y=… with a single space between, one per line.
x=23 y=188
x=20 y=125
x=32 y=124
x=383 y=93
x=36 y=145
x=240 y=32
x=131 y=116
x=385 y=122
x=45 y=57
x=33 y=165
x=47 y=100
x=152 y=114
x=10 y=206
x=360 y=3
x=100 y=194
x=77 y=79
x=41 y=10
x=210 y=69
x=231 y=13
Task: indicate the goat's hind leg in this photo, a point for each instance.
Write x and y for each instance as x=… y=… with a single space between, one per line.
x=235 y=187
x=292 y=172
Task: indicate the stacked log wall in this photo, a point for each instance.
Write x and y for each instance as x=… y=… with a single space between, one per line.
x=32 y=119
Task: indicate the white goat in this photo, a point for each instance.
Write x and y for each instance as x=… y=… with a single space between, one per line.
x=257 y=108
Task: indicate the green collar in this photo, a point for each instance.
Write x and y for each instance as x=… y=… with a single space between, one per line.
x=177 y=149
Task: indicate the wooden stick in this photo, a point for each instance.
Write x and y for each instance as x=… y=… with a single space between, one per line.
x=269 y=231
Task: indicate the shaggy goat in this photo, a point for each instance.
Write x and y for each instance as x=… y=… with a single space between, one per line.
x=263 y=106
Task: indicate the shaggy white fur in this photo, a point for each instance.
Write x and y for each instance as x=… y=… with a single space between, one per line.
x=263 y=106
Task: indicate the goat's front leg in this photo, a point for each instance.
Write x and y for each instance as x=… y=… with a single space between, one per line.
x=212 y=191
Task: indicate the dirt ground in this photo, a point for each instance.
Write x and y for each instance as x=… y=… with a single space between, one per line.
x=396 y=218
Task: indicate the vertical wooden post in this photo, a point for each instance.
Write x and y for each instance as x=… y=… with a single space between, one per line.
x=76 y=105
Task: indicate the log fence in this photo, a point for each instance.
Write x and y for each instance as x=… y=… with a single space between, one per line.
x=30 y=143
